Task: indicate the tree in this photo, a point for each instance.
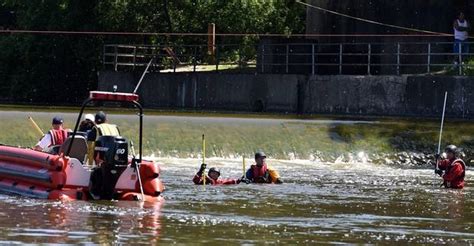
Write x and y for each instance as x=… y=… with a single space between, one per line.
x=62 y=68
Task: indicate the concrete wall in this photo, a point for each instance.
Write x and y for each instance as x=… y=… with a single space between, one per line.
x=371 y=95
x=420 y=96
x=238 y=92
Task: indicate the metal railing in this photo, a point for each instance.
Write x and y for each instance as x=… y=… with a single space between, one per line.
x=365 y=58
x=299 y=58
x=183 y=58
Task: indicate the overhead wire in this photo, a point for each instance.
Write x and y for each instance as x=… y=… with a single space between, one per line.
x=421 y=32
x=114 y=33
x=372 y=21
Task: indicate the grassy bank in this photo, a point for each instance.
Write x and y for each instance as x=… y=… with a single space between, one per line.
x=176 y=134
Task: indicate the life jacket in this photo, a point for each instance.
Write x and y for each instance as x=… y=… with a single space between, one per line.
x=458 y=180
x=199 y=180
x=260 y=172
x=106 y=129
x=58 y=137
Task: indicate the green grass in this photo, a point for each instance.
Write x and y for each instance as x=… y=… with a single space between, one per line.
x=281 y=138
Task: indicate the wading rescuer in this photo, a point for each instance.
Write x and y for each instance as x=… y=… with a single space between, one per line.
x=56 y=136
x=101 y=128
x=212 y=177
x=261 y=172
x=452 y=169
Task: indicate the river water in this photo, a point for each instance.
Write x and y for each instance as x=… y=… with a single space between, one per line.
x=342 y=196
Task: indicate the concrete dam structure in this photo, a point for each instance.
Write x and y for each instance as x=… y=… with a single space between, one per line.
x=406 y=96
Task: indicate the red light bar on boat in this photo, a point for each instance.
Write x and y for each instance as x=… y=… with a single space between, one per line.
x=113 y=96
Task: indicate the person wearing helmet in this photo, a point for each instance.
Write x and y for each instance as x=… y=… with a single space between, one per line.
x=452 y=169
x=261 y=172
x=87 y=124
x=101 y=128
x=212 y=177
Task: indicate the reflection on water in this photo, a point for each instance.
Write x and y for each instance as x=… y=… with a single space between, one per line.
x=319 y=203
x=345 y=182
x=39 y=221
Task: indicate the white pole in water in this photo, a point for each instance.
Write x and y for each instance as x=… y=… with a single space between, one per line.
x=140 y=181
x=143 y=76
x=138 y=171
x=441 y=127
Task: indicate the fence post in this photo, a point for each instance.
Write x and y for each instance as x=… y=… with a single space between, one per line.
x=287 y=51
x=174 y=64
x=460 y=58
x=312 y=59
x=398 y=58
x=240 y=61
x=103 y=55
x=369 y=52
x=428 y=68
x=194 y=59
x=263 y=58
x=340 y=59
x=116 y=58
x=217 y=58
x=134 y=56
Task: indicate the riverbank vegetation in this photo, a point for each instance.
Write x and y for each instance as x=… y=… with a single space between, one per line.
x=62 y=68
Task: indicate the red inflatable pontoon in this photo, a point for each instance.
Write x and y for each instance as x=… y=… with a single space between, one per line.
x=64 y=176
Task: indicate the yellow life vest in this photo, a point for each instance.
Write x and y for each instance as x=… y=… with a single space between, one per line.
x=273 y=174
x=103 y=129
x=106 y=129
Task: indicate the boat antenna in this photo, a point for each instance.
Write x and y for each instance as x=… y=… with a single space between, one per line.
x=143 y=75
x=441 y=128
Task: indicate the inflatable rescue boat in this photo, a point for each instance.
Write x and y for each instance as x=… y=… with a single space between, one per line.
x=64 y=176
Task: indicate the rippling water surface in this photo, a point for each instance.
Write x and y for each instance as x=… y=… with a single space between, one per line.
x=348 y=198
x=319 y=202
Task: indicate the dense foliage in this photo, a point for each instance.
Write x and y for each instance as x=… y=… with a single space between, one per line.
x=61 y=68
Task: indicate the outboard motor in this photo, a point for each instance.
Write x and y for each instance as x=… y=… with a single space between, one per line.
x=112 y=156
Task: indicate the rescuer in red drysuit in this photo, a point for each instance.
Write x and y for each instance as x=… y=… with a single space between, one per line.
x=454 y=168
x=212 y=177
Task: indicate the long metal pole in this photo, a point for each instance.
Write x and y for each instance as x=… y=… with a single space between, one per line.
x=441 y=127
x=203 y=175
x=143 y=75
